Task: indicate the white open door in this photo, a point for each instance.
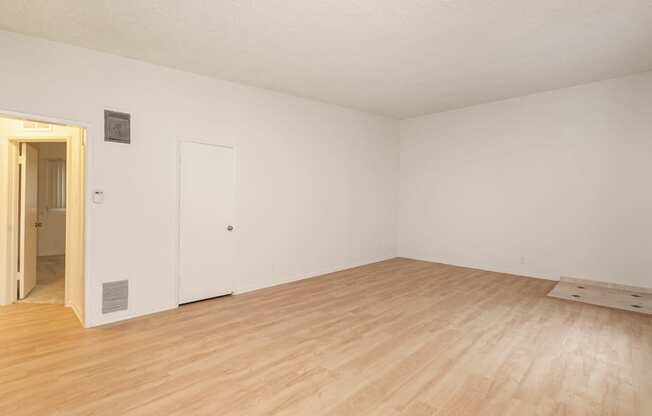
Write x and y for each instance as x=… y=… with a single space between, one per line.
x=28 y=218
x=206 y=229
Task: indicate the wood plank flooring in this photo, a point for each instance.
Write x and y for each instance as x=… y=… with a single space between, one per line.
x=400 y=337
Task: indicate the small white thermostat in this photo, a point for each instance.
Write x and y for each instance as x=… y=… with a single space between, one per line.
x=98 y=197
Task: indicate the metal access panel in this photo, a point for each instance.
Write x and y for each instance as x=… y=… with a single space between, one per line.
x=117 y=127
x=115 y=296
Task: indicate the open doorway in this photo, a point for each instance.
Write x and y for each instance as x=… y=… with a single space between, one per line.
x=42 y=228
x=44 y=207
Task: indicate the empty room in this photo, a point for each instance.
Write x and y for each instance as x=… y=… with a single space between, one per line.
x=366 y=207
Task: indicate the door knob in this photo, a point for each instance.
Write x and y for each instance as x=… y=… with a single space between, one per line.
x=38 y=224
x=229 y=228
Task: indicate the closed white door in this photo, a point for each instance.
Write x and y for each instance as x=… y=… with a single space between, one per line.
x=206 y=229
x=29 y=218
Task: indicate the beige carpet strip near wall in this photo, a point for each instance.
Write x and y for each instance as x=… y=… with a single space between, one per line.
x=597 y=294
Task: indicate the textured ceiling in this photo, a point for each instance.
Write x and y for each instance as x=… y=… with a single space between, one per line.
x=398 y=58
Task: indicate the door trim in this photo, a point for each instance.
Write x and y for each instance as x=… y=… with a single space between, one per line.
x=177 y=245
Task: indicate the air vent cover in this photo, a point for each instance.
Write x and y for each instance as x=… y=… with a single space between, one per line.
x=115 y=296
x=117 y=127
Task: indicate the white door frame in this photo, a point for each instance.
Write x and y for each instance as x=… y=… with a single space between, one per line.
x=10 y=255
x=177 y=266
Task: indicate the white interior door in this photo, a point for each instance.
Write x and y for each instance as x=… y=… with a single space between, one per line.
x=206 y=229
x=28 y=218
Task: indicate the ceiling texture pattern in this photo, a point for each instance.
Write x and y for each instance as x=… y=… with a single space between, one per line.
x=391 y=57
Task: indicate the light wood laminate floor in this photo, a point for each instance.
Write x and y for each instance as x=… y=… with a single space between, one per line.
x=399 y=337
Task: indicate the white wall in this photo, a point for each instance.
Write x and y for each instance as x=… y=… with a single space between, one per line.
x=52 y=235
x=562 y=179
x=317 y=184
